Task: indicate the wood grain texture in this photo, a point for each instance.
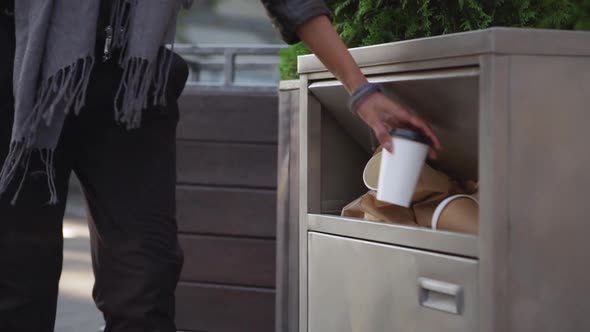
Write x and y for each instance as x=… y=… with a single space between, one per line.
x=227 y=164
x=206 y=308
x=234 y=261
x=231 y=116
x=226 y=211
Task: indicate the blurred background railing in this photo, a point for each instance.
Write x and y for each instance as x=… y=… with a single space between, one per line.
x=232 y=66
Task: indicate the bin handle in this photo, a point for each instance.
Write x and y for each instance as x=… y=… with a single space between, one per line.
x=440 y=295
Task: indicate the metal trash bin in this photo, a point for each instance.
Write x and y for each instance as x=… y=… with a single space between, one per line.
x=287 y=267
x=511 y=107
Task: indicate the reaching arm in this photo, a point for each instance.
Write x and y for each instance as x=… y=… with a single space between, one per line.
x=307 y=20
x=378 y=111
x=319 y=35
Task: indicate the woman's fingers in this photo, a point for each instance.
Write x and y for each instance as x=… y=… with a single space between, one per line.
x=399 y=117
x=381 y=114
x=427 y=130
x=383 y=136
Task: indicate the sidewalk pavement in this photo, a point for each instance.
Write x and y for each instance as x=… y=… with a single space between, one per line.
x=76 y=311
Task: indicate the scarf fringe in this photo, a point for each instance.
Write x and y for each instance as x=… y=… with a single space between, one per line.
x=160 y=78
x=47 y=156
x=131 y=97
x=17 y=153
x=121 y=22
x=139 y=74
x=66 y=89
x=135 y=88
x=68 y=85
x=19 y=156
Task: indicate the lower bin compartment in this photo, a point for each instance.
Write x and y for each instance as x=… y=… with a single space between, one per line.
x=361 y=286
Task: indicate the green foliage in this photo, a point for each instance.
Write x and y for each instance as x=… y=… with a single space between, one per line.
x=367 y=22
x=288 y=65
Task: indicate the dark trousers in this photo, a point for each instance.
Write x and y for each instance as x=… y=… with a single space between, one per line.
x=128 y=178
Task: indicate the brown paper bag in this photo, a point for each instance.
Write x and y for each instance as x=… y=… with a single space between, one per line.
x=376 y=210
x=367 y=207
x=354 y=209
x=433 y=187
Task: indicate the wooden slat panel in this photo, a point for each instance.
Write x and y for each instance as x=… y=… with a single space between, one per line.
x=230 y=116
x=227 y=164
x=224 y=309
x=235 y=261
x=224 y=211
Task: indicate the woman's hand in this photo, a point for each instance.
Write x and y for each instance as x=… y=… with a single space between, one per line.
x=382 y=114
x=378 y=111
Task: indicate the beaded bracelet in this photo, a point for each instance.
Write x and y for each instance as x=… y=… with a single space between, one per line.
x=361 y=95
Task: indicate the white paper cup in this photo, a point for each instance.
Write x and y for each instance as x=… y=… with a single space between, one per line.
x=401 y=169
x=459 y=213
x=371 y=172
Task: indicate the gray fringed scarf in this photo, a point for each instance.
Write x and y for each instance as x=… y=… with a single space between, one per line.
x=55 y=48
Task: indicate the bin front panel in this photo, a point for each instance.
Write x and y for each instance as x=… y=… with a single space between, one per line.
x=364 y=286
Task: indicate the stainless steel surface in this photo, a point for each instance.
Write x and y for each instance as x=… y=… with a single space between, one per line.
x=548 y=209
x=288 y=86
x=516 y=115
x=340 y=166
x=489 y=41
x=287 y=288
x=415 y=237
x=312 y=145
x=446 y=98
x=403 y=67
x=493 y=198
x=359 y=286
x=441 y=295
x=306 y=105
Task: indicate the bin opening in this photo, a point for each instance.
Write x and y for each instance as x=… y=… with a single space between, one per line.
x=447 y=99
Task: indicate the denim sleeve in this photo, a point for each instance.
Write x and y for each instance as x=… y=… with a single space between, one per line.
x=287 y=15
